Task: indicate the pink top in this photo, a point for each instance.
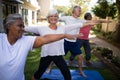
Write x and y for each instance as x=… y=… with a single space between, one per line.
x=85 y=31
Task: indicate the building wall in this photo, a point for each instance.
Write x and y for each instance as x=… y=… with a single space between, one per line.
x=10 y=7
x=44 y=7
x=29 y=12
x=7 y=7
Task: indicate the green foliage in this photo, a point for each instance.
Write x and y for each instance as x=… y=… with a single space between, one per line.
x=101 y=34
x=62 y=9
x=68 y=10
x=97 y=28
x=116 y=61
x=104 y=9
x=106 y=52
x=79 y=2
x=112 y=11
x=29 y=34
x=101 y=9
x=32 y=63
x=116 y=34
x=118 y=7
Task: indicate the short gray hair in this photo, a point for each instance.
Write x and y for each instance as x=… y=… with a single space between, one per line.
x=74 y=8
x=10 y=19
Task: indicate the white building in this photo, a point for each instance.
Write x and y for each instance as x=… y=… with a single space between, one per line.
x=29 y=11
x=45 y=6
x=8 y=7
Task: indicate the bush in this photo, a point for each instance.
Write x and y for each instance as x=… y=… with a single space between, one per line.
x=106 y=52
x=97 y=28
x=116 y=61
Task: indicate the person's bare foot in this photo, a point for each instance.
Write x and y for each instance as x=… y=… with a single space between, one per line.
x=83 y=74
x=48 y=71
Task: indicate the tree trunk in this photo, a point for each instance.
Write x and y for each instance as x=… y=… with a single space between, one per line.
x=116 y=36
x=118 y=7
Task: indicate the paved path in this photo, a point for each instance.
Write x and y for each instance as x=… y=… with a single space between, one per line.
x=101 y=43
x=97 y=42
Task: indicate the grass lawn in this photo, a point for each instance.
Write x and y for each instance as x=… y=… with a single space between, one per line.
x=33 y=63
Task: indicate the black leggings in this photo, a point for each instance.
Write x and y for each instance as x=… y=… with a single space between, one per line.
x=60 y=63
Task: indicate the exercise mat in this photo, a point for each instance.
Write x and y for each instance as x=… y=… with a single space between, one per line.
x=55 y=74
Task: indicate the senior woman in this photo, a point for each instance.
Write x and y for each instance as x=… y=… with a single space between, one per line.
x=53 y=51
x=14 y=47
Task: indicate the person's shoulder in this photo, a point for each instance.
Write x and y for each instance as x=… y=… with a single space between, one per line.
x=27 y=37
x=27 y=40
x=2 y=34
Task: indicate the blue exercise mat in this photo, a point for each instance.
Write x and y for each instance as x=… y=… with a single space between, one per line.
x=55 y=74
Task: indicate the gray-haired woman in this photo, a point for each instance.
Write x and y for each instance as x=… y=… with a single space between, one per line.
x=14 y=47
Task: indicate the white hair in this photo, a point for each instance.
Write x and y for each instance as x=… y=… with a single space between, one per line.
x=51 y=12
x=10 y=19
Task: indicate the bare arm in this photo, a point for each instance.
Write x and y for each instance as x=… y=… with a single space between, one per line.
x=78 y=25
x=98 y=21
x=90 y=23
x=32 y=29
x=39 y=41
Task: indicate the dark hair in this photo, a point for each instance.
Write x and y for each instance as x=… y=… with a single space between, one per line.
x=75 y=8
x=86 y=15
x=10 y=19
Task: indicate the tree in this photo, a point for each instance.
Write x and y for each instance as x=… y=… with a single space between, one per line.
x=118 y=7
x=116 y=36
x=114 y=9
x=82 y=3
x=62 y=9
x=104 y=9
x=68 y=10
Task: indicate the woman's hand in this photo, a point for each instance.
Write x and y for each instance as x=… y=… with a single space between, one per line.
x=72 y=37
